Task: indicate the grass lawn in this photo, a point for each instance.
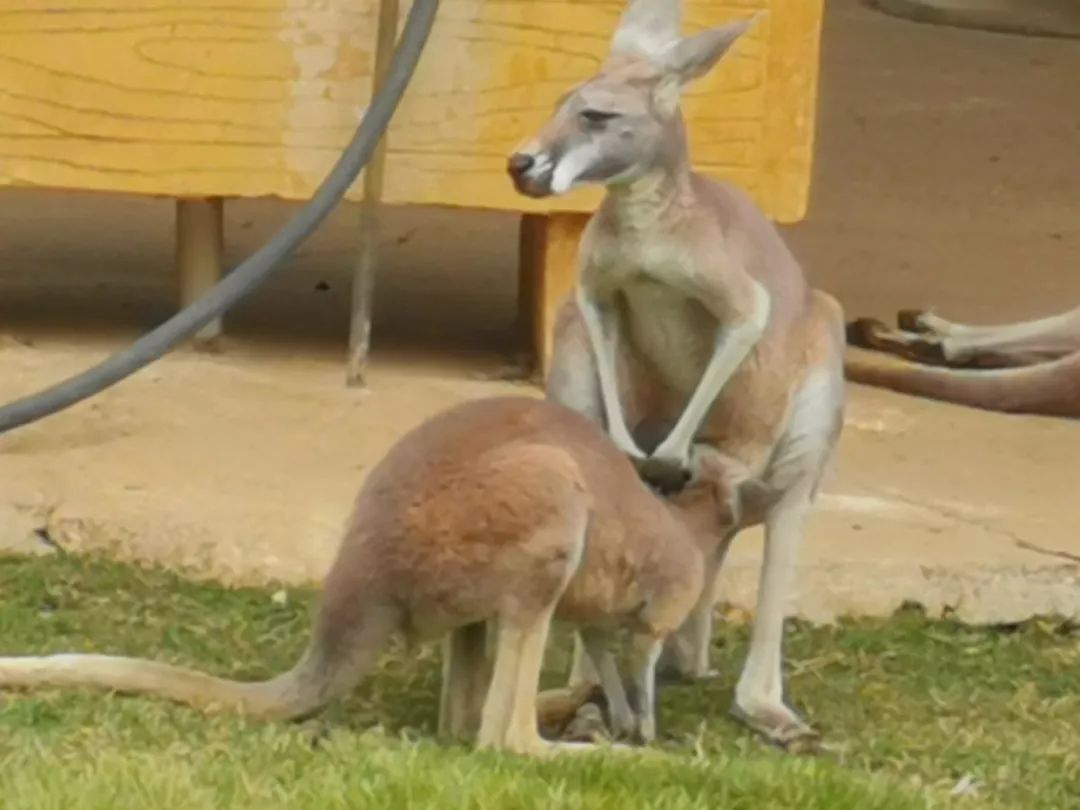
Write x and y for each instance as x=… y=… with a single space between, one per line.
x=911 y=707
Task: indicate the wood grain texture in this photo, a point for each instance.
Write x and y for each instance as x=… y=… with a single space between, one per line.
x=181 y=97
x=254 y=97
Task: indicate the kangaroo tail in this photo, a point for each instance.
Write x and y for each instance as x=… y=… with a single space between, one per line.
x=1051 y=388
x=323 y=673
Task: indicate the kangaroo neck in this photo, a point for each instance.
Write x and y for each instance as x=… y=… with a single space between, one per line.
x=656 y=199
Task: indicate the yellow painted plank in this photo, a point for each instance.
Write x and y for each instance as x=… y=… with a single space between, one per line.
x=254 y=97
x=200 y=97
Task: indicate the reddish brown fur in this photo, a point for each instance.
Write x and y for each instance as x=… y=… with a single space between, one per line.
x=441 y=517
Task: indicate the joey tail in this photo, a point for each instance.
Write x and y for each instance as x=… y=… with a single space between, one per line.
x=334 y=661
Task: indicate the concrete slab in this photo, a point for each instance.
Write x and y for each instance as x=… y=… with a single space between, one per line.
x=243 y=467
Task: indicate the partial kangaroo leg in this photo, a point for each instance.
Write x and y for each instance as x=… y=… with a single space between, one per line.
x=598 y=644
x=582 y=668
x=646 y=654
x=928 y=338
x=759 y=695
x=466 y=677
x=910 y=320
x=509 y=717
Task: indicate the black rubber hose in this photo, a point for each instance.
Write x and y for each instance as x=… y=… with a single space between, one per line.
x=257 y=267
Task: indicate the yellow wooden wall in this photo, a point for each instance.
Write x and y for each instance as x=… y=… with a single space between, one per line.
x=256 y=97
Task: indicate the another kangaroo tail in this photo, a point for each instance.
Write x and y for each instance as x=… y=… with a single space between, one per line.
x=323 y=673
x=1051 y=388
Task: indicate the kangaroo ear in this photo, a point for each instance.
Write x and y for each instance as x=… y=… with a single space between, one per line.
x=647 y=28
x=692 y=57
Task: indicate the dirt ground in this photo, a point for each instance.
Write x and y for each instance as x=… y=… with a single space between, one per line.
x=945 y=176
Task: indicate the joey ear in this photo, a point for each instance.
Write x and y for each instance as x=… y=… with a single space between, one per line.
x=692 y=57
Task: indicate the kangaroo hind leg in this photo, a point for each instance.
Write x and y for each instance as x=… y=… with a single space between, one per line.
x=466 y=677
x=536 y=575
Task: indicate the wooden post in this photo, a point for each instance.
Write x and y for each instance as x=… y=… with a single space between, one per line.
x=547 y=271
x=367 y=257
x=199 y=246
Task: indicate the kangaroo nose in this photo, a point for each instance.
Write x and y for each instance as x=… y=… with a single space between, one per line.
x=520 y=163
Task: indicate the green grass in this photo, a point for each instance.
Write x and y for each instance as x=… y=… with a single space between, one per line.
x=910 y=707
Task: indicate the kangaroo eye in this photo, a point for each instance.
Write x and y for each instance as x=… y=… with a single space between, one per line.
x=598 y=116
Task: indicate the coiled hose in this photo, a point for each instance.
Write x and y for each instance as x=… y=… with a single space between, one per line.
x=254 y=270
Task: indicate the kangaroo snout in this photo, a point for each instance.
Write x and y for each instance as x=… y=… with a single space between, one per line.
x=531 y=173
x=519 y=163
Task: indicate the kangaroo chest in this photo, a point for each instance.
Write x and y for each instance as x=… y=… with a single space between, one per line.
x=673 y=332
x=676 y=336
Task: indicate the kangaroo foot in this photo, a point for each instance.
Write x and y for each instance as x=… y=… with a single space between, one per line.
x=780 y=726
x=913 y=320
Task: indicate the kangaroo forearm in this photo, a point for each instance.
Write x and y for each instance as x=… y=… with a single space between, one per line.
x=732 y=347
x=603 y=338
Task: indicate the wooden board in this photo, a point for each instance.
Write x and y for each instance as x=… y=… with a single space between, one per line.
x=192 y=98
x=256 y=97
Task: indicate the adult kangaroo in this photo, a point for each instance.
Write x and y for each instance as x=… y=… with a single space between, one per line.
x=692 y=324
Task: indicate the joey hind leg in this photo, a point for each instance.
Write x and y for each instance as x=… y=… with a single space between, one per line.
x=870 y=333
x=1009 y=344
x=560 y=712
x=466 y=677
x=523 y=617
x=509 y=720
x=509 y=715
x=934 y=341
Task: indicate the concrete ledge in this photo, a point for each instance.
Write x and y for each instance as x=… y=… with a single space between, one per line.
x=1048 y=18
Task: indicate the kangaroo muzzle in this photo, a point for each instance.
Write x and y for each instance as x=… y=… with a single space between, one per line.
x=531 y=172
